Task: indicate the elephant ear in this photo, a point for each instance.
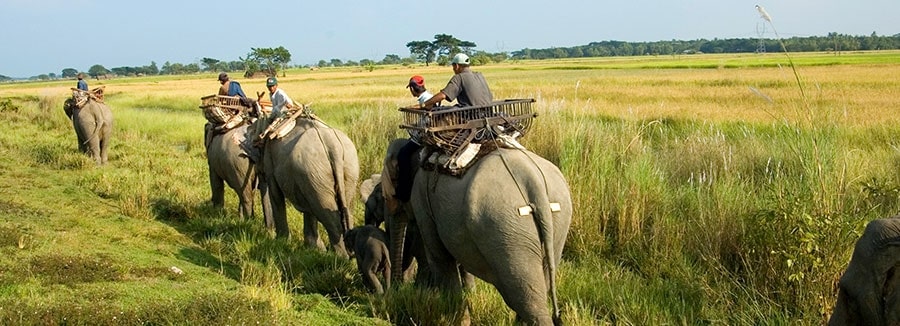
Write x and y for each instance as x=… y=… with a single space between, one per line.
x=367 y=186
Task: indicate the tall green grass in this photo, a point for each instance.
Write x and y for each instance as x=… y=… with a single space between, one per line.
x=680 y=217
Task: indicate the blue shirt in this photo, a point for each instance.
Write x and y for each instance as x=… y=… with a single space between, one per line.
x=234 y=89
x=82 y=85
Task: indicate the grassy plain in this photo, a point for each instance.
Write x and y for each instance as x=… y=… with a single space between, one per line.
x=708 y=190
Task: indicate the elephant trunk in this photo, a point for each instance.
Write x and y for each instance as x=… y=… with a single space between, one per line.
x=396 y=225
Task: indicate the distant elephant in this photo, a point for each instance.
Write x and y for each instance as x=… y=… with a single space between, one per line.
x=869 y=292
x=316 y=168
x=93 y=121
x=228 y=166
x=369 y=245
x=505 y=221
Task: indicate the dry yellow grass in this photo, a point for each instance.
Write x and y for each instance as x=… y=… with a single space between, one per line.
x=852 y=94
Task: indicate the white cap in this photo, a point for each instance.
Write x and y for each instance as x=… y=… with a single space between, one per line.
x=460 y=59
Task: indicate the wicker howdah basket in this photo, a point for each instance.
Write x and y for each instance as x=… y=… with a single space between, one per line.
x=452 y=128
x=220 y=108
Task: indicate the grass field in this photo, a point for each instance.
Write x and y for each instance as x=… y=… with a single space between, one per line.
x=708 y=189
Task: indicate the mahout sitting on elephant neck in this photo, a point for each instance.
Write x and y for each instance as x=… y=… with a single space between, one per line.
x=315 y=168
x=93 y=122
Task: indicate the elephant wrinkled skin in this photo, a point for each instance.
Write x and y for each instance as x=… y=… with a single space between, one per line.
x=369 y=245
x=869 y=292
x=505 y=221
x=316 y=168
x=227 y=166
x=93 y=128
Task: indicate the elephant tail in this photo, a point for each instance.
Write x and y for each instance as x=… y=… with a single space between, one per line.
x=336 y=157
x=542 y=212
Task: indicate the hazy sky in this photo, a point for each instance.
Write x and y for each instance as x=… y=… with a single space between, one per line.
x=44 y=36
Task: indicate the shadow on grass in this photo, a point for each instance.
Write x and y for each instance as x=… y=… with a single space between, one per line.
x=239 y=248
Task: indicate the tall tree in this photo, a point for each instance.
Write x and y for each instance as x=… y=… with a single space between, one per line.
x=97 y=71
x=440 y=49
x=390 y=59
x=269 y=60
x=467 y=46
x=69 y=73
x=210 y=64
x=445 y=44
x=421 y=50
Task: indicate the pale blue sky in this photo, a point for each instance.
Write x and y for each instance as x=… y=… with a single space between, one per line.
x=44 y=36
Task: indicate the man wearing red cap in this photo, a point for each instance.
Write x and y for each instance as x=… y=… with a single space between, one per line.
x=417 y=89
x=405 y=166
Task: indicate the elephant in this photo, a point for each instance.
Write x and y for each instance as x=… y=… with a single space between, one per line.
x=375 y=214
x=505 y=221
x=368 y=244
x=869 y=290
x=228 y=166
x=93 y=121
x=316 y=168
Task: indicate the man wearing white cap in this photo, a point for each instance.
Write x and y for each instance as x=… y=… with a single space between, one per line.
x=467 y=87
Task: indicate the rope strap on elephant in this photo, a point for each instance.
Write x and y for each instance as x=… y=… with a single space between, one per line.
x=457 y=136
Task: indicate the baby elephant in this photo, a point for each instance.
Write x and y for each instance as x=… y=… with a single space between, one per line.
x=368 y=244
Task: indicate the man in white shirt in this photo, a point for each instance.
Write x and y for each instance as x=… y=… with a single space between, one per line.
x=280 y=99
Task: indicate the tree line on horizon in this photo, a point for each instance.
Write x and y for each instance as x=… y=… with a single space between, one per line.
x=269 y=61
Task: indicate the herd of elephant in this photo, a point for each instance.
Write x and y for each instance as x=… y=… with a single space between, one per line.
x=504 y=221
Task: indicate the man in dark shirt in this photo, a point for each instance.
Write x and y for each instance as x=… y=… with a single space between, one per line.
x=230 y=87
x=467 y=87
x=82 y=85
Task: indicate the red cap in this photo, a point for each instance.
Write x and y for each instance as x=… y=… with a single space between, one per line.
x=416 y=80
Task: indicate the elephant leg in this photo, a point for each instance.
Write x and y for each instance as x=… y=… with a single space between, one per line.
x=246 y=195
x=468 y=280
x=279 y=211
x=246 y=202
x=80 y=134
x=268 y=214
x=335 y=230
x=521 y=284
x=311 y=232
x=441 y=263
x=414 y=249
x=217 y=186
x=336 y=236
x=369 y=269
x=94 y=145
x=104 y=149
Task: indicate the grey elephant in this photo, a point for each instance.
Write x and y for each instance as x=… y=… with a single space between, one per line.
x=228 y=166
x=375 y=214
x=869 y=290
x=316 y=168
x=367 y=243
x=93 y=122
x=505 y=221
